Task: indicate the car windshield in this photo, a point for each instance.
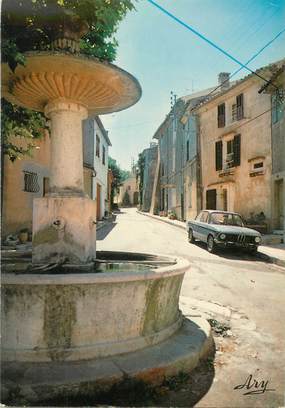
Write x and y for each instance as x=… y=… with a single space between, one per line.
x=226 y=219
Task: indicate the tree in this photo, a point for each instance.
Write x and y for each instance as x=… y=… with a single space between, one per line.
x=126 y=199
x=31 y=25
x=119 y=176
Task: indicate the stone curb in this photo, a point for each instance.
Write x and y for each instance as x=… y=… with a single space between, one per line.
x=162 y=219
x=181 y=352
x=260 y=255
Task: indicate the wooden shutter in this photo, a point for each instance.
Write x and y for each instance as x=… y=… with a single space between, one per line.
x=219 y=155
x=221 y=115
x=239 y=106
x=236 y=150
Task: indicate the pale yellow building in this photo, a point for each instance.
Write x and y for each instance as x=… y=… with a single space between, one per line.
x=236 y=152
x=23 y=180
x=129 y=186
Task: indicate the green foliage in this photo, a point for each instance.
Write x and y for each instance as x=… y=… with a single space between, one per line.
x=30 y=25
x=20 y=122
x=126 y=199
x=119 y=176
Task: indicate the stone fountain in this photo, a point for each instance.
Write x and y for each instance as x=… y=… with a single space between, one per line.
x=80 y=328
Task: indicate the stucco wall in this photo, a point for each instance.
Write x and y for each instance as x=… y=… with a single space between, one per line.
x=101 y=170
x=246 y=194
x=150 y=156
x=17 y=203
x=129 y=185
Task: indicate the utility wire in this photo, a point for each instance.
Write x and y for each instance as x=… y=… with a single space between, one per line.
x=204 y=38
x=250 y=60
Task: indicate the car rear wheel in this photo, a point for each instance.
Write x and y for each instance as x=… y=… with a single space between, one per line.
x=191 y=238
x=211 y=246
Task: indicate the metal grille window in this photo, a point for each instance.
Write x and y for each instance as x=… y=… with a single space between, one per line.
x=31 y=184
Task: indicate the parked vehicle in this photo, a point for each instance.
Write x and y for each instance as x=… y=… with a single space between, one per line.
x=222 y=229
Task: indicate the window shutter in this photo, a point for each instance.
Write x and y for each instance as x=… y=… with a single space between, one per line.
x=221 y=115
x=239 y=106
x=237 y=150
x=219 y=155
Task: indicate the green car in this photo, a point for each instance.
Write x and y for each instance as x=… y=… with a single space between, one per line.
x=222 y=229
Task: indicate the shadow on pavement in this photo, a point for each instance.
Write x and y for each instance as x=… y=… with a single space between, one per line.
x=105 y=230
x=234 y=254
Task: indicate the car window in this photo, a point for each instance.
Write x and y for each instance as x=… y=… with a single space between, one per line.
x=204 y=217
x=198 y=218
x=226 y=219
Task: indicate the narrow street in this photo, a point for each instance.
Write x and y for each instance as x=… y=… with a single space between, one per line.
x=233 y=288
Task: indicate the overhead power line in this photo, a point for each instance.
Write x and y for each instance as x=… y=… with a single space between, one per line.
x=250 y=60
x=204 y=38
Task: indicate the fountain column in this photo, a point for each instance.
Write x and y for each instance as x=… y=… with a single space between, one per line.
x=66 y=171
x=64 y=222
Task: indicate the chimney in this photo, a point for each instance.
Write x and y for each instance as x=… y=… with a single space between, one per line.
x=224 y=80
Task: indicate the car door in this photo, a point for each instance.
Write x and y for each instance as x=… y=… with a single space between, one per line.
x=204 y=227
x=194 y=225
x=200 y=225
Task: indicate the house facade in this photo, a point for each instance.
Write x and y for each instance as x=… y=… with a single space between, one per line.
x=129 y=192
x=236 y=150
x=177 y=178
x=23 y=180
x=28 y=178
x=276 y=89
x=96 y=145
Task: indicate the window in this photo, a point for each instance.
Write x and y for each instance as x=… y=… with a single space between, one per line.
x=219 y=155
x=104 y=155
x=258 y=165
x=226 y=219
x=234 y=112
x=31 y=184
x=187 y=150
x=232 y=158
x=230 y=153
x=204 y=217
x=97 y=146
x=239 y=107
x=221 y=115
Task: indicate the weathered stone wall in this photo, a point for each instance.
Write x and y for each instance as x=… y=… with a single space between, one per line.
x=150 y=156
x=64 y=317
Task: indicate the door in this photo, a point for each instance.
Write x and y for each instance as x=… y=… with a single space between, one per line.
x=136 y=198
x=211 y=199
x=98 y=202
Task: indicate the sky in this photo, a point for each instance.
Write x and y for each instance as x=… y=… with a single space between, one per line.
x=164 y=56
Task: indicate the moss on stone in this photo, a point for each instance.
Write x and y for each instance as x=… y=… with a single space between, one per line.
x=59 y=319
x=161 y=309
x=48 y=235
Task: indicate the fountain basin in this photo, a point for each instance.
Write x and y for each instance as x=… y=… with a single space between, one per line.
x=82 y=316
